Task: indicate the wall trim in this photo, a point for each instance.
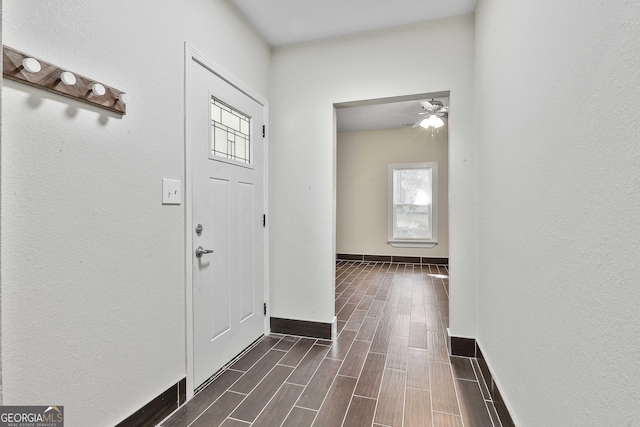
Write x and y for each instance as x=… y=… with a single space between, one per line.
x=498 y=401
x=303 y=328
x=460 y=346
x=468 y=347
x=158 y=408
x=392 y=258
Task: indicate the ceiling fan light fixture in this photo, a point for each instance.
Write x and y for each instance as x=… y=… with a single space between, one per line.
x=425 y=123
x=436 y=121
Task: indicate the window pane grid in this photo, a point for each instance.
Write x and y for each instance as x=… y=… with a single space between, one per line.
x=230 y=135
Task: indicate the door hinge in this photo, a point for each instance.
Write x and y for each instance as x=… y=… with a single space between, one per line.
x=264 y=220
x=265 y=308
x=264 y=130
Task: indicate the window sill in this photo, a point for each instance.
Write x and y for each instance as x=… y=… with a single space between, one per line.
x=409 y=244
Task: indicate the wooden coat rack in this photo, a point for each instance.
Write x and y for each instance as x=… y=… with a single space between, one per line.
x=49 y=78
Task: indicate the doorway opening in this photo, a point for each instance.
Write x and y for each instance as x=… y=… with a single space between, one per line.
x=370 y=136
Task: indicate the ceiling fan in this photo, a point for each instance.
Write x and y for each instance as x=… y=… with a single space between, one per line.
x=432 y=114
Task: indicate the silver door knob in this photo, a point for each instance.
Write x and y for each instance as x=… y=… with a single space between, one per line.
x=200 y=251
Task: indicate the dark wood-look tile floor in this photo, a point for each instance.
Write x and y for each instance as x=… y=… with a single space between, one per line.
x=388 y=367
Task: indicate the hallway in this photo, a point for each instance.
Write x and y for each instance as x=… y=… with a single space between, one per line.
x=388 y=367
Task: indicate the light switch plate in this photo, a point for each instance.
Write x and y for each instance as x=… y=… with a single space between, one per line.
x=171 y=192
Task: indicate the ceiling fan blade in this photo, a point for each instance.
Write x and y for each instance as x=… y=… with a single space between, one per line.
x=416 y=124
x=445 y=109
x=403 y=114
x=427 y=105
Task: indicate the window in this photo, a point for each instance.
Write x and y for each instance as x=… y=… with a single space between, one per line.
x=413 y=204
x=230 y=133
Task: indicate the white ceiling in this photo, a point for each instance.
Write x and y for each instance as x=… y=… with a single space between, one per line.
x=283 y=22
x=387 y=115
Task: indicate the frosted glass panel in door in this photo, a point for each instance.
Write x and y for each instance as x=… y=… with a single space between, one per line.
x=230 y=133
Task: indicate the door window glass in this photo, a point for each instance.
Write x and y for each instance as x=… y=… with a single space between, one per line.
x=230 y=132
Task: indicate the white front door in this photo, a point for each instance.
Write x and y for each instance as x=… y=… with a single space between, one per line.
x=225 y=140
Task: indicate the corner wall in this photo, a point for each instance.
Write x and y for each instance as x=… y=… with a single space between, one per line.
x=307 y=80
x=558 y=85
x=92 y=263
x=363 y=194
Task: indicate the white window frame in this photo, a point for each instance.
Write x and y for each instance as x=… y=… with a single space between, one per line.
x=414 y=243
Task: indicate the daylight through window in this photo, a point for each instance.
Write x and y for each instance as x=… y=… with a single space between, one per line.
x=413 y=204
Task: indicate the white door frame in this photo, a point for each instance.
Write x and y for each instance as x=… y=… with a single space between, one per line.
x=190 y=55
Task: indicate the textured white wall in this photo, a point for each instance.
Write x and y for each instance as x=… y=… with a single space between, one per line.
x=92 y=263
x=362 y=188
x=559 y=201
x=1 y=394
x=306 y=81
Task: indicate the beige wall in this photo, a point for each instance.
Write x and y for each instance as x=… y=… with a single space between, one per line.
x=362 y=177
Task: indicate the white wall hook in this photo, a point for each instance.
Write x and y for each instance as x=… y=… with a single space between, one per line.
x=68 y=78
x=124 y=98
x=31 y=65
x=98 y=89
